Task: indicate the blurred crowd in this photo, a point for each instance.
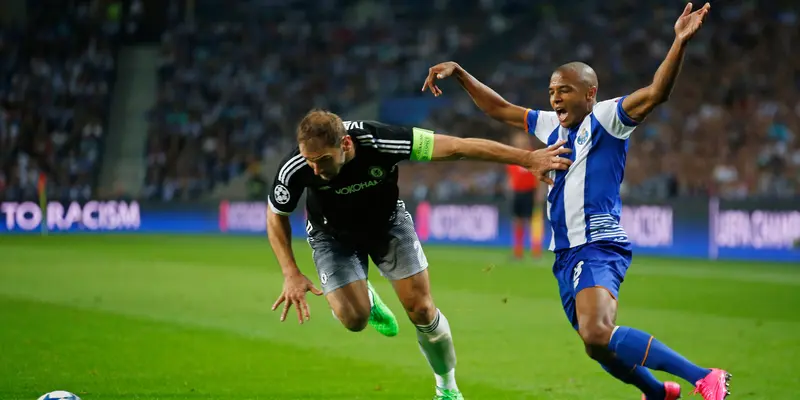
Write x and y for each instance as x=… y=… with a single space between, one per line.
x=235 y=80
x=56 y=77
x=235 y=77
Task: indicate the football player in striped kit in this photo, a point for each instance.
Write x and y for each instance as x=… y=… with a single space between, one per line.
x=592 y=250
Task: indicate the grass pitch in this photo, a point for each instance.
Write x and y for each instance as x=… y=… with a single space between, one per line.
x=160 y=317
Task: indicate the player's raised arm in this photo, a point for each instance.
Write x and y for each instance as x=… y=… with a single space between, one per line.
x=283 y=200
x=484 y=97
x=641 y=103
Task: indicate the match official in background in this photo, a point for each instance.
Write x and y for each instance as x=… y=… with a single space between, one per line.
x=526 y=202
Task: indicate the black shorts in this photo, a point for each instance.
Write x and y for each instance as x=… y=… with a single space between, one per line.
x=522 y=204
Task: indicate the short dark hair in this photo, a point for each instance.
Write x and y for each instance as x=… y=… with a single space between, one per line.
x=583 y=71
x=325 y=128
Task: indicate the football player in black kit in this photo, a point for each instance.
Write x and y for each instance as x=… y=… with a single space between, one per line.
x=354 y=214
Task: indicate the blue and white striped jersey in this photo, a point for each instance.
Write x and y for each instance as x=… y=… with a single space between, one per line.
x=584 y=204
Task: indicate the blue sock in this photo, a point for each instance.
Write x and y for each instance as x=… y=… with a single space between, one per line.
x=635 y=347
x=640 y=377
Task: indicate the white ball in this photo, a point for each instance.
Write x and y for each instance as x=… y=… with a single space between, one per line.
x=59 y=395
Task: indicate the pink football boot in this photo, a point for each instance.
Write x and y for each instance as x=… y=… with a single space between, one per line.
x=715 y=386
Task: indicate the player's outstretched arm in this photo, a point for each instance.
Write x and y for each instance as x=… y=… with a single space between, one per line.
x=641 y=103
x=295 y=284
x=484 y=97
x=539 y=162
x=398 y=143
x=279 y=232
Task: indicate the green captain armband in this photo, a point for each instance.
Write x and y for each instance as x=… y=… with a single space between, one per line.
x=422 y=145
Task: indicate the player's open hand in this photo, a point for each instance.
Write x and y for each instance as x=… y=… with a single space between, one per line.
x=689 y=22
x=545 y=160
x=438 y=71
x=294 y=292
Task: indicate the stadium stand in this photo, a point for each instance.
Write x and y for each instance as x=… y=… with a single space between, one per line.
x=55 y=82
x=234 y=80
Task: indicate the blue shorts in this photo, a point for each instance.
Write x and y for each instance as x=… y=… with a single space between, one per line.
x=593 y=264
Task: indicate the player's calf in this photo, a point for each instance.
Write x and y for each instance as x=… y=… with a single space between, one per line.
x=596 y=309
x=433 y=332
x=642 y=349
x=644 y=380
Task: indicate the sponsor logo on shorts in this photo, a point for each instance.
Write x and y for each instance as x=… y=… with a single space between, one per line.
x=357 y=187
x=282 y=195
x=323 y=277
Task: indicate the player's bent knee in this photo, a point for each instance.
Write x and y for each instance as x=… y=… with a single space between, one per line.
x=353 y=315
x=354 y=322
x=421 y=311
x=596 y=335
x=595 y=339
x=350 y=304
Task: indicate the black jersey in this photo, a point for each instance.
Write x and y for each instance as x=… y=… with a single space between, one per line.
x=363 y=197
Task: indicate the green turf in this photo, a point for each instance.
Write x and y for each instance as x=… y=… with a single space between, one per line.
x=145 y=317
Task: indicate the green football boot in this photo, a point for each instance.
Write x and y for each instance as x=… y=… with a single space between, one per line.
x=381 y=317
x=448 y=394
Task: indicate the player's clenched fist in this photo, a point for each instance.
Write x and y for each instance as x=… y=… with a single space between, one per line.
x=438 y=71
x=545 y=160
x=294 y=292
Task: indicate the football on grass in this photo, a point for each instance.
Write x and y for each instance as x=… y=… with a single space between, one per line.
x=59 y=395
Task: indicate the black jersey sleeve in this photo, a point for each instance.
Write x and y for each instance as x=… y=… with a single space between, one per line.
x=288 y=185
x=397 y=143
